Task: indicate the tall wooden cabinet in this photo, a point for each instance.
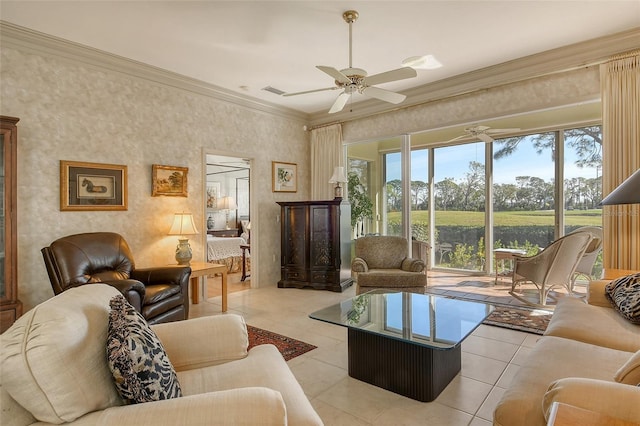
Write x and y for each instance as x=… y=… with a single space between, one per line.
x=316 y=244
x=10 y=306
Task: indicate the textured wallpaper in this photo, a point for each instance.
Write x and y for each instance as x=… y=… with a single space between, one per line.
x=69 y=111
x=72 y=111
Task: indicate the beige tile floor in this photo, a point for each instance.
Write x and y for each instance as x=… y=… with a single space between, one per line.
x=490 y=356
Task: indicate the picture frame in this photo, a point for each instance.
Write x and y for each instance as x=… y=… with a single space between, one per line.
x=284 y=177
x=169 y=181
x=92 y=186
x=213 y=194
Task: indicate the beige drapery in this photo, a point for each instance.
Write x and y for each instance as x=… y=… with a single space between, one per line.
x=326 y=154
x=620 y=85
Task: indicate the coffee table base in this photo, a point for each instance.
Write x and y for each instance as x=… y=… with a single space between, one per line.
x=414 y=371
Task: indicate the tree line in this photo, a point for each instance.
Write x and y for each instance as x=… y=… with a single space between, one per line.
x=468 y=193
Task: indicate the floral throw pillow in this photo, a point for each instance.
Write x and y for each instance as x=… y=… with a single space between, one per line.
x=624 y=294
x=138 y=361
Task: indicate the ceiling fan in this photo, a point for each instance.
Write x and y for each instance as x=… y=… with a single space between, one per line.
x=483 y=133
x=353 y=80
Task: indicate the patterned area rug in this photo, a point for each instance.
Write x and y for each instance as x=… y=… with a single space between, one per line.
x=288 y=347
x=529 y=320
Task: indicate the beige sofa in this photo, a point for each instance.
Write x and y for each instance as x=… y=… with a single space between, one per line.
x=54 y=370
x=586 y=347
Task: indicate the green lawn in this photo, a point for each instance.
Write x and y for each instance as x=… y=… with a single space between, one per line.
x=519 y=218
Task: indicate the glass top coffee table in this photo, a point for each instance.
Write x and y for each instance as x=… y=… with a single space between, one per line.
x=406 y=343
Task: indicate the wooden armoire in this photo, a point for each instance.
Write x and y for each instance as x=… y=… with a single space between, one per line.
x=316 y=244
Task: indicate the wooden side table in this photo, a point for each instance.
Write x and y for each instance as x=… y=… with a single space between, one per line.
x=612 y=274
x=203 y=269
x=503 y=254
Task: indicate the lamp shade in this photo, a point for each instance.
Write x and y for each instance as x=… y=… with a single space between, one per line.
x=628 y=192
x=338 y=175
x=183 y=225
x=227 y=203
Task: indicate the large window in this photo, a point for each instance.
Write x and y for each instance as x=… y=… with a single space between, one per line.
x=544 y=185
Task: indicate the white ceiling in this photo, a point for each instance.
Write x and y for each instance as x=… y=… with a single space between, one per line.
x=245 y=46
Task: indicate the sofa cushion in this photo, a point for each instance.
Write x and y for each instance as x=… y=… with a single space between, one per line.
x=576 y=320
x=53 y=357
x=140 y=366
x=624 y=293
x=629 y=373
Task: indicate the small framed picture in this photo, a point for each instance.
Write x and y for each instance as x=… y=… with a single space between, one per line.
x=169 y=180
x=92 y=186
x=213 y=194
x=284 y=176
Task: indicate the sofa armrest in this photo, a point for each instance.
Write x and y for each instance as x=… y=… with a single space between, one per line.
x=613 y=399
x=358 y=264
x=596 y=294
x=204 y=341
x=247 y=406
x=412 y=265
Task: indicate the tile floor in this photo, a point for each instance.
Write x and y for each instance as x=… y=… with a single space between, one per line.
x=490 y=356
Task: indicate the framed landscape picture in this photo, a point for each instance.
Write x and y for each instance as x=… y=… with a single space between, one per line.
x=169 y=180
x=284 y=176
x=92 y=186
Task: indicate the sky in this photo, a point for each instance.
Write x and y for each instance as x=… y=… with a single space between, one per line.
x=454 y=161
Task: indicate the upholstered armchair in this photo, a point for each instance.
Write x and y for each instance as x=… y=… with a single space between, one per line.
x=159 y=294
x=57 y=369
x=382 y=262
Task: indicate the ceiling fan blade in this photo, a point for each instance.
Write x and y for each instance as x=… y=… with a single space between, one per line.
x=458 y=138
x=310 y=91
x=337 y=75
x=340 y=102
x=393 y=75
x=494 y=131
x=384 y=95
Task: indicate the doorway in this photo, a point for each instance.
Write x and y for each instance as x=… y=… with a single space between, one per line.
x=227 y=213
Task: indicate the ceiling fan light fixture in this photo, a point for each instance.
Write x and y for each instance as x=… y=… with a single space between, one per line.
x=426 y=62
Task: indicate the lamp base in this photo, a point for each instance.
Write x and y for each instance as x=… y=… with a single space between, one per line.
x=183 y=252
x=337 y=191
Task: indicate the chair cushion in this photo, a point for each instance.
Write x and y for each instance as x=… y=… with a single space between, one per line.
x=629 y=373
x=624 y=294
x=53 y=357
x=140 y=366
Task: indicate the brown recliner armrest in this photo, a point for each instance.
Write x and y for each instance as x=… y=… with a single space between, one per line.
x=176 y=275
x=163 y=275
x=132 y=290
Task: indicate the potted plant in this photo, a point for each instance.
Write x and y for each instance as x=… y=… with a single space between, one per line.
x=361 y=205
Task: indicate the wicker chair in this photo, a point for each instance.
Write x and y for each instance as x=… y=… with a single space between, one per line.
x=552 y=267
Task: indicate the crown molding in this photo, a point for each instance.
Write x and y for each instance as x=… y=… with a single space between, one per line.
x=562 y=59
x=25 y=39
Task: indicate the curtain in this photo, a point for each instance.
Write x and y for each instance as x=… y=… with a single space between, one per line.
x=326 y=154
x=620 y=86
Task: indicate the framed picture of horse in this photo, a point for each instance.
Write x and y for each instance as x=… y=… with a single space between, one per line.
x=92 y=186
x=169 y=180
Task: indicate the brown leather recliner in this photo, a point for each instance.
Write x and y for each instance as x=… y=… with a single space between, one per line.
x=159 y=294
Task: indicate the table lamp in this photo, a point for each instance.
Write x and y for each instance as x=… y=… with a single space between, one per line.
x=227 y=203
x=628 y=192
x=338 y=178
x=183 y=225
